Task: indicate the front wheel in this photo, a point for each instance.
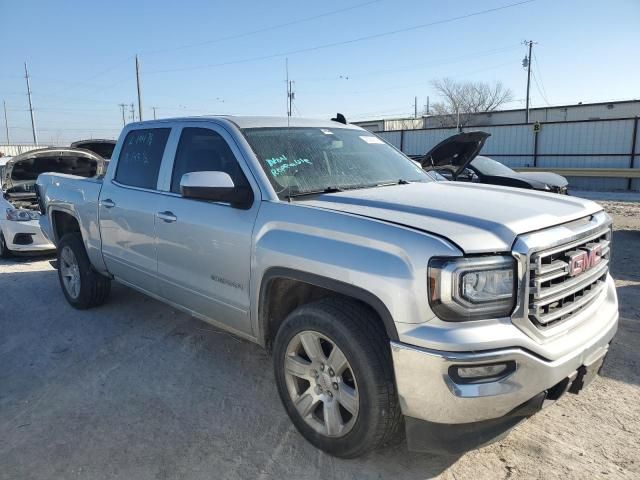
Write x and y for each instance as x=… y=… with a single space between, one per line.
x=82 y=286
x=335 y=378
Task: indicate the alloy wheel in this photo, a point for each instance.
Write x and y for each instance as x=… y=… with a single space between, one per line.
x=70 y=272
x=321 y=384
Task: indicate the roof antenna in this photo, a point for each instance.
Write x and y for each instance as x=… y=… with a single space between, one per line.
x=340 y=118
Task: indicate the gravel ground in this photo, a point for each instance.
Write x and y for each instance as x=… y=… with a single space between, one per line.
x=135 y=390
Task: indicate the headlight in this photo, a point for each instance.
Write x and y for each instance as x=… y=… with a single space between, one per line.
x=21 y=215
x=472 y=288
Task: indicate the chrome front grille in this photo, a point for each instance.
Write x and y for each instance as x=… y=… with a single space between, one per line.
x=565 y=279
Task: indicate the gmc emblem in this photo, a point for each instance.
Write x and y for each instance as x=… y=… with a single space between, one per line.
x=585 y=258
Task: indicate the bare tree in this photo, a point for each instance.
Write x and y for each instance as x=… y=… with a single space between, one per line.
x=461 y=99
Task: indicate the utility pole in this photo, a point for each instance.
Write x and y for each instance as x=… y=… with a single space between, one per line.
x=427 y=105
x=286 y=67
x=122 y=107
x=139 y=93
x=154 y=112
x=33 y=121
x=527 y=63
x=415 y=107
x=6 y=122
x=291 y=95
x=132 y=112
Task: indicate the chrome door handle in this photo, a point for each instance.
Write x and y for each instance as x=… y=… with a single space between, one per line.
x=108 y=203
x=167 y=216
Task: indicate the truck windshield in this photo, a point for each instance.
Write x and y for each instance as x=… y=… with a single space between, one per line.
x=301 y=160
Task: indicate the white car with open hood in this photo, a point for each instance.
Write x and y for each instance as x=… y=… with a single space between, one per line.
x=19 y=212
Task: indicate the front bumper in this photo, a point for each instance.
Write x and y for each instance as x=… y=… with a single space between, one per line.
x=446 y=414
x=427 y=391
x=25 y=237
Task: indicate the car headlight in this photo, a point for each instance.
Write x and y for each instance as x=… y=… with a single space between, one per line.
x=21 y=215
x=472 y=288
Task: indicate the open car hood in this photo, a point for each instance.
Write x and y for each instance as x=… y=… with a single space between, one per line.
x=455 y=153
x=21 y=172
x=102 y=147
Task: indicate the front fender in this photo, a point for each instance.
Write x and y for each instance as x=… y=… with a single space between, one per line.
x=382 y=264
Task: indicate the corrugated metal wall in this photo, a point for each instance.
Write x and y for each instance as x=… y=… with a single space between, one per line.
x=13 y=150
x=581 y=144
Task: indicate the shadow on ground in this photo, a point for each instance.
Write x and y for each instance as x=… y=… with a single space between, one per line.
x=135 y=389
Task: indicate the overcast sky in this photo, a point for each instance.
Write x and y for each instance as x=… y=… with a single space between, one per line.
x=362 y=58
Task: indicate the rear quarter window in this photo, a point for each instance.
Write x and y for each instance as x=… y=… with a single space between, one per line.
x=140 y=157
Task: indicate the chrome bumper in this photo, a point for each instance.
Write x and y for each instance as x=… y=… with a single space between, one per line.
x=427 y=391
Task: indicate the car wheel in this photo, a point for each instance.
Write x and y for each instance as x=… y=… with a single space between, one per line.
x=4 y=251
x=335 y=378
x=82 y=286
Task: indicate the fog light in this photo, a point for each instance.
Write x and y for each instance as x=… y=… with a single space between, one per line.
x=481 y=373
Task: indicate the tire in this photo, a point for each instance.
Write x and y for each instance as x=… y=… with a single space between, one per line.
x=4 y=251
x=82 y=286
x=347 y=325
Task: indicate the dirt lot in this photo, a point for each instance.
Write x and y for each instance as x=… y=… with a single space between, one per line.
x=135 y=390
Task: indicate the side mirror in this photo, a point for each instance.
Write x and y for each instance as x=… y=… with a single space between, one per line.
x=215 y=187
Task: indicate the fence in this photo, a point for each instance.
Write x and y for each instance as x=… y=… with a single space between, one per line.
x=17 y=149
x=578 y=147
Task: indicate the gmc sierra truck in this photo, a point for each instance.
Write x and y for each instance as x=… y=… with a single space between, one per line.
x=388 y=299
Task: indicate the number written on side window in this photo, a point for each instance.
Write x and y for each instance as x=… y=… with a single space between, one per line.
x=140 y=157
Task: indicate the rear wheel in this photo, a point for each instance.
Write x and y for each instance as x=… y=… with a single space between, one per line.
x=82 y=286
x=335 y=378
x=4 y=251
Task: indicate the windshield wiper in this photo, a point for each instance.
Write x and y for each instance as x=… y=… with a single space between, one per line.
x=315 y=192
x=386 y=184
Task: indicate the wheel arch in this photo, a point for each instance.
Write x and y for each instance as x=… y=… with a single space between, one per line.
x=313 y=287
x=63 y=222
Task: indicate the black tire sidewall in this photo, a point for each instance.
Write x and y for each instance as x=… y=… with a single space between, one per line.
x=4 y=250
x=362 y=437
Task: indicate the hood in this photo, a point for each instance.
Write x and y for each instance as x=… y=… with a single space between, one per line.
x=21 y=172
x=456 y=152
x=543 y=178
x=102 y=147
x=477 y=218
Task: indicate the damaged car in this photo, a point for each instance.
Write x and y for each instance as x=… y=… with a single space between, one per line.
x=456 y=158
x=103 y=147
x=19 y=215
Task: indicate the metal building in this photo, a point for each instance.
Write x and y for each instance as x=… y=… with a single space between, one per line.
x=560 y=113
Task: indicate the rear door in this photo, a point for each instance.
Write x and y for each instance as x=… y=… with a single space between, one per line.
x=204 y=248
x=128 y=206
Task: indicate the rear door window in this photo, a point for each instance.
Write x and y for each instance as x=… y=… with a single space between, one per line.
x=141 y=156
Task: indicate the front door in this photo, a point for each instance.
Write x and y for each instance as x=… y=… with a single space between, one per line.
x=204 y=248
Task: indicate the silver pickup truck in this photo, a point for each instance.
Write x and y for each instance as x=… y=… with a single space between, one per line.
x=387 y=299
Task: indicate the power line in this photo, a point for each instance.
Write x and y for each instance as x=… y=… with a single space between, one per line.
x=344 y=42
x=537 y=67
x=405 y=68
x=544 y=97
x=261 y=30
x=96 y=75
